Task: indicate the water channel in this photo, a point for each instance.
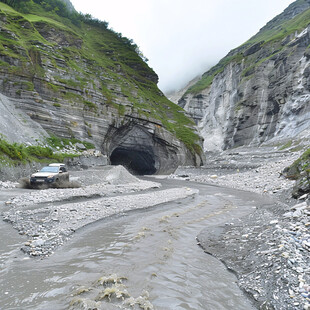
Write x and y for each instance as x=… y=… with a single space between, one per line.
x=153 y=251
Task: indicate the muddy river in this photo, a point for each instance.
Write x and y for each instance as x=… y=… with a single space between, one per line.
x=146 y=259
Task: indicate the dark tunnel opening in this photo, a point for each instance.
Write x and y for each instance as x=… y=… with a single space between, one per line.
x=138 y=162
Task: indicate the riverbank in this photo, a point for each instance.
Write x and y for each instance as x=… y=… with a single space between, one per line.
x=49 y=217
x=153 y=248
x=269 y=250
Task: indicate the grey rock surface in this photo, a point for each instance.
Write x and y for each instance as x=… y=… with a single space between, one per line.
x=16 y=125
x=268 y=249
x=261 y=99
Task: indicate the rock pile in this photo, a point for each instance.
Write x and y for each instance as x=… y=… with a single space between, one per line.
x=270 y=248
x=294 y=234
x=269 y=251
x=49 y=217
x=257 y=171
x=7 y=184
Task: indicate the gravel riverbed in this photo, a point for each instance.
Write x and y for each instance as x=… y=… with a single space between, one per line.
x=49 y=217
x=269 y=250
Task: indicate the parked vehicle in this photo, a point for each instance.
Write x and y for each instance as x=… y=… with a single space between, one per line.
x=51 y=174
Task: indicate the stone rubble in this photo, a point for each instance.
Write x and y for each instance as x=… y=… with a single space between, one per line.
x=247 y=171
x=282 y=255
x=49 y=217
x=269 y=249
x=8 y=184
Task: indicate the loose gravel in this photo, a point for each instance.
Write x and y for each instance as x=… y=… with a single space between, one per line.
x=49 y=217
x=269 y=250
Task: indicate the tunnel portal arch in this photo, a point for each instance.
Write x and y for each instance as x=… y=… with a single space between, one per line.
x=134 y=147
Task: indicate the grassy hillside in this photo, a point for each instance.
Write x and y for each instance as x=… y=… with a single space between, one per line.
x=90 y=57
x=299 y=167
x=270 y=38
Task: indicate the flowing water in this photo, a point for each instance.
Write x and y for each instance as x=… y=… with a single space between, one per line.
x=148 y=257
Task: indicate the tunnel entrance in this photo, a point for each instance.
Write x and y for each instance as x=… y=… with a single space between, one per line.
x=135 y=147
x=138 y=162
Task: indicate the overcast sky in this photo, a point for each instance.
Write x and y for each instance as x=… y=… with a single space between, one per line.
x=183 y=38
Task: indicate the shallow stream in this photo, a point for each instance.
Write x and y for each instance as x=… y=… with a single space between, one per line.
x=151 y=256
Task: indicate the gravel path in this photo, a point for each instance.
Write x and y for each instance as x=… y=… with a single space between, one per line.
x=252 y=170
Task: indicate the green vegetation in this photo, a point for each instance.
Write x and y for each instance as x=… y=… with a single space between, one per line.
x=121 y=110
x=90 y=105
x=92 y=57
x=14 y=153
x=270 y=39
x=70 y=83
x=57 y=142
x=304 y=161
x=277 y=31
x=208 y=77
x=286 y=146
x=301 y=165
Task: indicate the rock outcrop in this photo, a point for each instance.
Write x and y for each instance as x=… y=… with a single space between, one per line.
x=259 y=92
x=300 y=171
x=76 y=78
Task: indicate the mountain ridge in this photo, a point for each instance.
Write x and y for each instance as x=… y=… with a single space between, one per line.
x=250 y=96
x=78 y=79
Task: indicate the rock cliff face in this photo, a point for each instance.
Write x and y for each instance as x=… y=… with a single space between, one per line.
x=260 y=92
x=76 y=78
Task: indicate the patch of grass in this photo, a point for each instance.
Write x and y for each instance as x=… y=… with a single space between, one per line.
x=70 y=82
x=39 y=18
x=4 y=64
x=54 y=88
x=302 y=164
x=90 y=105
x=207 y=78
x=305 y=156
x=278 y=31
x=6 y=8
x=286 y=145
x=57 y=142
x=28 y=86
x=15 y=153
x=121 y=110
x=72 y=96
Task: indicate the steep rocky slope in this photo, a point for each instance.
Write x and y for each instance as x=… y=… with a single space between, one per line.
x=260 y=91
x=71 y=76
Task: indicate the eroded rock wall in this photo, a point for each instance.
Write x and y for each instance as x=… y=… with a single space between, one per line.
x=250 y=104
x=87 y=83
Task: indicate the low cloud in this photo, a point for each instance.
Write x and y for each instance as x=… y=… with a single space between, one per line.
x=182 y=38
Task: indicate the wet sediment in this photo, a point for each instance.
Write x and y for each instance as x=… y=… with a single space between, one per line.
x=269 y=249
